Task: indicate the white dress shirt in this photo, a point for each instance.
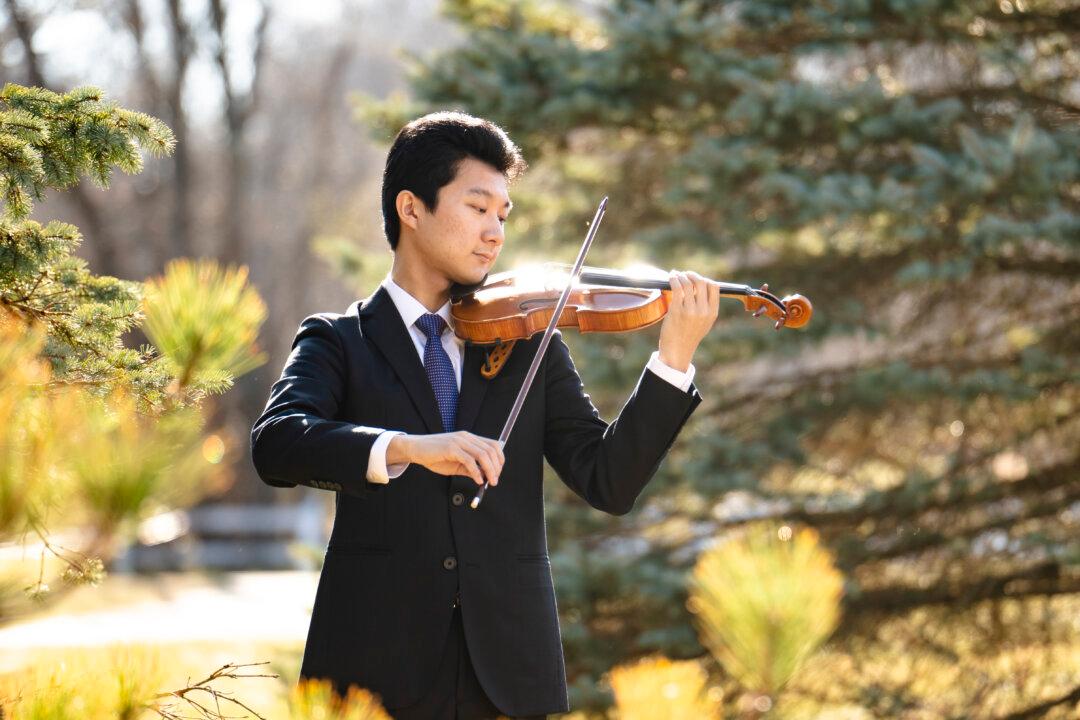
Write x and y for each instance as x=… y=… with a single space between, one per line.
x=410 y=310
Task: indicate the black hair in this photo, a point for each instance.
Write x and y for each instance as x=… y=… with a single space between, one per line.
x=426 y=154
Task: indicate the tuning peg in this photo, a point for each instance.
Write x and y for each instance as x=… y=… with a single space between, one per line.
x=765 y=287
x=779 y=323
x=759 y=311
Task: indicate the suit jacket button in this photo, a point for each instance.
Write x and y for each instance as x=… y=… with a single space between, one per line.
x=457 y=498
x=449 y=562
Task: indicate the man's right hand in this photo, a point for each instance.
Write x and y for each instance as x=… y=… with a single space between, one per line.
x=455 y=453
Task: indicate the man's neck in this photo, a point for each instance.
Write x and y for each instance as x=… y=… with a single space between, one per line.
x=415 y=278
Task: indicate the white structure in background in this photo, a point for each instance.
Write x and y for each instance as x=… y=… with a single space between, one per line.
x=230 y=537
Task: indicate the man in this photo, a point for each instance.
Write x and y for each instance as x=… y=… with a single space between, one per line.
x=442 y=610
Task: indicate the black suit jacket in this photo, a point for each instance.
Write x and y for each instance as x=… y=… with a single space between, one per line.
x=398 y=553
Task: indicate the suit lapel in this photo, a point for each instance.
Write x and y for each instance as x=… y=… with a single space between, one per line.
x=473 y=386
x=381 y=323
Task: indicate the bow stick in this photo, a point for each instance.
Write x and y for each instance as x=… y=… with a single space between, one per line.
x=535 y=365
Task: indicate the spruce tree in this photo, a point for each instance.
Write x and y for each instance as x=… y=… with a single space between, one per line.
x=912 y=167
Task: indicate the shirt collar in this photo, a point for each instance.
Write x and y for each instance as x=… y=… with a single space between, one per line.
x=410 y=308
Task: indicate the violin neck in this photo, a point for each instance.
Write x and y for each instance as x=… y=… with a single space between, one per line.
x=616 y=279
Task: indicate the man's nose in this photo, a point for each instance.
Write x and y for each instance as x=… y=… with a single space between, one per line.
x=493 y=233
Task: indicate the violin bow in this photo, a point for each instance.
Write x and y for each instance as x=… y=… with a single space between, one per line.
x=544 y=341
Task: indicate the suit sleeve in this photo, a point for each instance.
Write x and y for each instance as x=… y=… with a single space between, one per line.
x=297 y=440
x=608 y=465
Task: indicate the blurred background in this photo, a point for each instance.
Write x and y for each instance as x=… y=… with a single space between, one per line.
x=892 y=493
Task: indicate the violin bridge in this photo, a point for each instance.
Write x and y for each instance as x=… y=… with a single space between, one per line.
x=496 y=358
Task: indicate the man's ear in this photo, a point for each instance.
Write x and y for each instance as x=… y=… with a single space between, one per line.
x=409 y=207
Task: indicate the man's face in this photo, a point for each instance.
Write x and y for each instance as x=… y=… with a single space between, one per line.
x=463 y=237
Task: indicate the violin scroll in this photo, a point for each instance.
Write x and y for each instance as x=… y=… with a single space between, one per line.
x=792 y=311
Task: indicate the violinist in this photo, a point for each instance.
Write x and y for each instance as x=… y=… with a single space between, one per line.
x=442 y=610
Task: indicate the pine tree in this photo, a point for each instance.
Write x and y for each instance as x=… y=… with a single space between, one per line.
x=95 y=435
x=912 y=167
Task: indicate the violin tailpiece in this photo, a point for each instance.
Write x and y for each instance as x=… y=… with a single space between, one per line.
x=495 y=359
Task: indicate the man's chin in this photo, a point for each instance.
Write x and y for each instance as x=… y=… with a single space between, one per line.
x=465 y=284
x=475 y=277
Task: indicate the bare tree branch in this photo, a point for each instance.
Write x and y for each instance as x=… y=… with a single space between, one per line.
x=25 y=30
x=238 y=110
x=185 y=694
x=182 y=50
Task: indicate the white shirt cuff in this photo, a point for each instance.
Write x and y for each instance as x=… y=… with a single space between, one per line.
x=378 y=472
x=681 y=380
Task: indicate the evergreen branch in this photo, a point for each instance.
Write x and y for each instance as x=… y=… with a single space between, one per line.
x=1065 y=268
x=894 y=506
x=31 y=123
x=1035 y=711
x=1041 y=506
x=889 y=27
x=889 y=504
x=41 y=313
x=1041 y=580
x=81 y=133
x=41 y=276
x=1031 y=23
x=785 y=390
x=1031 y=99
x=193 y=360
x=833 y=377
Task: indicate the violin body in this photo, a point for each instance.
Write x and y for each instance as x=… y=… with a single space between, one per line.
x=516 y=305
x=503 y=310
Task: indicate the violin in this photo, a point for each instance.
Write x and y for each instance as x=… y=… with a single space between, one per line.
x=515 y=305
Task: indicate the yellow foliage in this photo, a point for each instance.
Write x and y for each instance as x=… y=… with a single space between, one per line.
x=85 y=685
x=127 y=465
x=662 y=689
x=316 y=700
x=71 y=459
x=24 y=457
x=205 y=321
x=764 y=602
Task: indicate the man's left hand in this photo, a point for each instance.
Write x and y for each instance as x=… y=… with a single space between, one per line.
x=694 y=305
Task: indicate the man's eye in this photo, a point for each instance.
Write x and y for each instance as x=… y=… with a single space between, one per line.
x=479 y=209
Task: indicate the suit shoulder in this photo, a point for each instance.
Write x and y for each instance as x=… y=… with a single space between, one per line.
x=319 y=324
x=326 y=327
x=336 y=320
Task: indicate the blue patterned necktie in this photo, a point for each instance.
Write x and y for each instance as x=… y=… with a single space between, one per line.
x=439 y=369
